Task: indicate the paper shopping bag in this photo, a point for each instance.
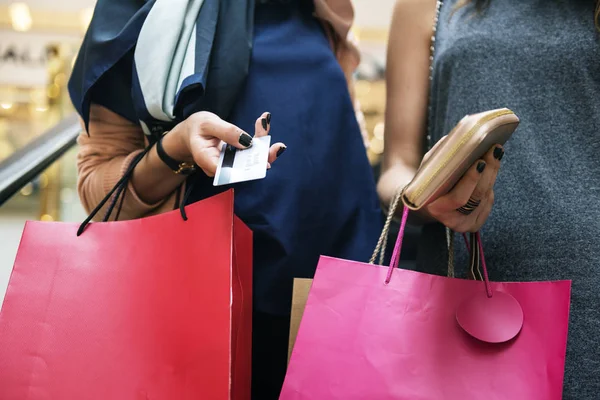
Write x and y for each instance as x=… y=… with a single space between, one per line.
x=155 y=308
x=409 y=339
x=299 y=298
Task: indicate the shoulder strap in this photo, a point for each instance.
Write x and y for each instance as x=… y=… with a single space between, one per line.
x=449 y=232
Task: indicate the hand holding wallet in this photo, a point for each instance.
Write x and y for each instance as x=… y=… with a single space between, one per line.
x=472 y=137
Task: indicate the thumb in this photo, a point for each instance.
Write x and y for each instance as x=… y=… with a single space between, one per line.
x=433 y=150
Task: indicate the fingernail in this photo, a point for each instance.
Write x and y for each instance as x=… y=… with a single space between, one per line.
x=498 y=153
x=245 y=139
x=264 y=123
x=480 y=166
x=268 y=118
x=281 y=150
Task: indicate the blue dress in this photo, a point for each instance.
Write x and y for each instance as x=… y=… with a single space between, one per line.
x=319 y=198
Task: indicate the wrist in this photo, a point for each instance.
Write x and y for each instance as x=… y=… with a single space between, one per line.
x=175 y=144
x=391 y=180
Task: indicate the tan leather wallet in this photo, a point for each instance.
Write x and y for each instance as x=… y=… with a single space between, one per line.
x=469 y=141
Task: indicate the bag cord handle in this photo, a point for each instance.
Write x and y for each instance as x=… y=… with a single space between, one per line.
x=398 y=247
x=118 y=190
x=479 y=246
x=383 y=238
x=477 y=255
x=475 y=247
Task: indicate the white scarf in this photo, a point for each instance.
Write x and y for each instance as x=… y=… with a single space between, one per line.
x=165 y=54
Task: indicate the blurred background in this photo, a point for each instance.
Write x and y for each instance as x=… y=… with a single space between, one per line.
x=39 y=40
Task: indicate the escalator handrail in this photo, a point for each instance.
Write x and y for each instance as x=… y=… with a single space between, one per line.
x=31 y=160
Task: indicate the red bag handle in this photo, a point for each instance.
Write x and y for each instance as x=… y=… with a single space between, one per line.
x=119 y=191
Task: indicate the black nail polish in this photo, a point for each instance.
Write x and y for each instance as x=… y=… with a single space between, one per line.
x=281 y=150
x=264 y=123
x=245 y=139
x=268 y=118
x=498 y=153
x=480 y=166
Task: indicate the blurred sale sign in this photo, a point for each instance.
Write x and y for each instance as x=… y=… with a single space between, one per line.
x=24 y=57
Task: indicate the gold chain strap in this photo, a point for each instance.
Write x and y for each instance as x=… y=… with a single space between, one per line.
x=449 y=232
x=383 y=238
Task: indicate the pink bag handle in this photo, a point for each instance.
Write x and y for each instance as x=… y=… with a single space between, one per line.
x=486 y=278
x=398 y=247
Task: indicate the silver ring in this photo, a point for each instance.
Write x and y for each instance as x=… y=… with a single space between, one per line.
x=468 y=208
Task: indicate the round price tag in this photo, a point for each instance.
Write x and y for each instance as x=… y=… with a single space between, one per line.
x=495 y=319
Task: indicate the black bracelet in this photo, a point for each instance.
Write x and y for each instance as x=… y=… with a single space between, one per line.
x=179 y=167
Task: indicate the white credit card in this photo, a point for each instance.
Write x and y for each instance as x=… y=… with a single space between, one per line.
x=243 y=165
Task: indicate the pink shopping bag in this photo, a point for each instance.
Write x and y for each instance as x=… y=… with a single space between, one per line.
x=361 y=338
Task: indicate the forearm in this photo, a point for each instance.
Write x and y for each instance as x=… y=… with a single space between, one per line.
x=403 y=150
x=95 y=185
x=104 y=156
x=407 y=89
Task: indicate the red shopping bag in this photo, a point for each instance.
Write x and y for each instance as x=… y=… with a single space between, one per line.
x=361 y=338
x=155 y=308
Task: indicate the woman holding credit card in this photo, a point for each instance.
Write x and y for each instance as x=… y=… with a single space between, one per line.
x=151 y=102
x=540 y=60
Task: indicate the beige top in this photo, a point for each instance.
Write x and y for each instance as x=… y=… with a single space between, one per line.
x=113 y=141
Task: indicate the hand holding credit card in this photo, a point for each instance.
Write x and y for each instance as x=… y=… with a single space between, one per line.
x=250 y=163
x=203 y=138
